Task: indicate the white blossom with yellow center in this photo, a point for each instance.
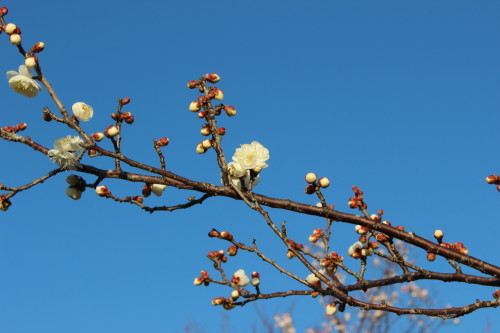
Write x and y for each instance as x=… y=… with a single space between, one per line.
x=63 y=155
x=82 y=111
x=250 y=156
x=23 y=83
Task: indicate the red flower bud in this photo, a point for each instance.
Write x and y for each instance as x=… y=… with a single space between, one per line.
x=125 y=101
x=193 y=84
x=163 y=142
x=3 y=11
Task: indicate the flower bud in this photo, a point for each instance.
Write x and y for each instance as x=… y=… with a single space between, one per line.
x=311 y=177
x=439 y=234
x=10 y=28
x=21 y=127
x=431 y=256
x=3 y=11
x=198 y=281
x=230 y=111
x=331 y=309
x=214 y=233
x=496 y=294
x=163 y=142
x=97 y=136
x=102 y=191
x=158 y=189
x=221 y=130
x=193 y=84
x=30 y=62
x=200 y=149
x=324 y=182
x=195 y=106
x=38 y=47
x=74 y=193
x=213 y=77
x=290 y=254
x=202 y=114
x=206 y=143
x=126 y=115
x=492 y=179
x=129 y=120
x=138 y=198
x=205 y=131
x=235 y=294
x=219 y=95
x=232 y=251
x=111 y=131
x=15 y=39
x=226 y=235
x=310 y=189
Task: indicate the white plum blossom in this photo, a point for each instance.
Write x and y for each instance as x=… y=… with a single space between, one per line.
x=240 y=278
x=250 y=156
x=82 y=111
x=158 y=189
x=63 y=152
x=22 y=82
x=352 y=249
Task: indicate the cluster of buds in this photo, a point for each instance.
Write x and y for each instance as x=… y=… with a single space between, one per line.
x=212 y=78
x=494 y=179
x=202 y=147
x=383 y=237
x=13 y=129
x=331 y=260
x=203 y=278
x=255 y=281
x=356 y=201
x=102 y=191
x=227 y=303
x=14 y=31
x=111 y=131
x=294 y=245
x=125 y=116
x=359 y=250
x=315 y=183
x=316 y=235
x=457 y=247
x=4 y=203
x=76 y=186
x=217 y=256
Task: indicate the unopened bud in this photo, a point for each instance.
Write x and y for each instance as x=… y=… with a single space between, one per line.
x=193 y=84
x=213 y=77
x=226 y=235
x=74 y=193
x=324 y=182
x=200 y=149
x=102 y=191
x=3 y=11
x=15 y=39
x=331 y=309
x=10 y=28
x=230 y=111
x=198 y=281
x=195 y=106
x=205 y=131
x=221 y=130
x=73 y=180
x=21 y=127
x=310 y=189
x=38 y=47
x=111 y=131
x=214 y=233
x=492 y=179
x=202 y=114
x=129 y=120
x=219 y=95
x=311 y=177
x=439 y=234
x=163 y=142
x=97 y=136
x=146 y=191
x=232 y=251
x=431 y=256
x=125 y=101
x=206 y=143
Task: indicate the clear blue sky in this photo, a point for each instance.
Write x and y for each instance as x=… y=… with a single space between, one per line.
x=400 y=98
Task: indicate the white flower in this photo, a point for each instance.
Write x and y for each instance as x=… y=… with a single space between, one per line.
x=22 y=82
x=331 y=309
x=158 y=189
x=251 y=155
x=62 y=154
x=236 y=170
x=240 y=278
x=82 y=111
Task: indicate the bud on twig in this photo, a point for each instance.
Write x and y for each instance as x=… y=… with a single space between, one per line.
x=163 y=142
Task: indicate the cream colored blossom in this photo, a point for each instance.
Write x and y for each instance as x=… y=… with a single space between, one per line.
x=22 y=82
x=252 y=155
x=63 y=152
x=82 y=111
x=240 y=278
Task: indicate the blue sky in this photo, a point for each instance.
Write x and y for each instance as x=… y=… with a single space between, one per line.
x=399 y=98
